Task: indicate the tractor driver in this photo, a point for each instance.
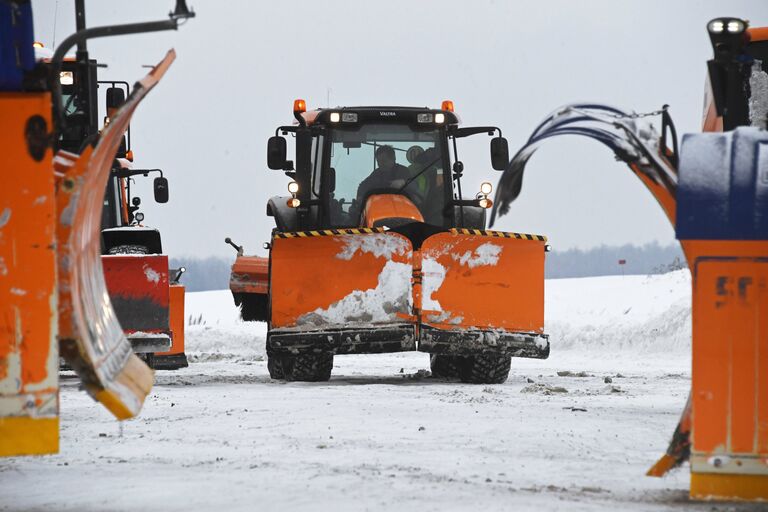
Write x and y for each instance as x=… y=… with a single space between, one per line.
x=388 y=174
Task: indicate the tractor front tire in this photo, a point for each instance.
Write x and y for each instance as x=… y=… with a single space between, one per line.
x=485 y=369
x=445 y=367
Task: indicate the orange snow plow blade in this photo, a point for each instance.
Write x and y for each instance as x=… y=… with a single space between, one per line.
x=249 y=284
x=91 y=338
x=355 y=295
x=483 y=290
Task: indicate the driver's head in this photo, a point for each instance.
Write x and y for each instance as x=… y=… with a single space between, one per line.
x=385 y=157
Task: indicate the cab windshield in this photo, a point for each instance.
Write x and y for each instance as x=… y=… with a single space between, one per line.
x=386 y=158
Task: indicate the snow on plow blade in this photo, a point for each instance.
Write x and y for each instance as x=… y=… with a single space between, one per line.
x=342 y=291
x=483 y=290
x=91 y=338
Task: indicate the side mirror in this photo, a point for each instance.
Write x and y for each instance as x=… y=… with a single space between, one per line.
x=161 y=189
x=276 y=153
x=499 y=153
x=115 y=98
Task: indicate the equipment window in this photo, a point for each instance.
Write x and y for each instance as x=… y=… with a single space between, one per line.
x=390 y=159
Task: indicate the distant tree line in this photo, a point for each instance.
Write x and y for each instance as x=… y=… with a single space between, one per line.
x=202 y=274
x=212 y=273
x=604 y=260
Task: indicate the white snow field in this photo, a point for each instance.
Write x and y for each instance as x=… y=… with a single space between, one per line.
x=221 y=435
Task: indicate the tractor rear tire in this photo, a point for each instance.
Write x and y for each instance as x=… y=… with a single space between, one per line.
x=445 y=367
x=485 y=369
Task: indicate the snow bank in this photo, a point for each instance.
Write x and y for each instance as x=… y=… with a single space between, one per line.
x=605 y=315
x=215 y=332
x=615 y=313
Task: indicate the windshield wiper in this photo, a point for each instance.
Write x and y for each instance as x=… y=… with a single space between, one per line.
x=425 y=169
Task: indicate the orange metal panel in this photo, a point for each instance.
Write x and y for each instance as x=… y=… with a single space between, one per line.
x=321 y=281
x=730 y=353
x=380 y=207
x=483 y=282
x=250 y=274
x=28 y=312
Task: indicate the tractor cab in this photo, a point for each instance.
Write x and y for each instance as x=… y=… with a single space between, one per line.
x=377 y=167
x=81 y=128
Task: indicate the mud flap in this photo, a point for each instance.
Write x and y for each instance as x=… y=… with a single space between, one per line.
x=483 y=290
x=328 y=283
x=91 y=338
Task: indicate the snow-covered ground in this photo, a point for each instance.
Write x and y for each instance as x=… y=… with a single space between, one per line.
x=574 y=432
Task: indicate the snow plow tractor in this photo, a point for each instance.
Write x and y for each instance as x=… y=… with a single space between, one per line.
x=714 y=190
x=145 y=293
x=376 y=250
x=53 y=298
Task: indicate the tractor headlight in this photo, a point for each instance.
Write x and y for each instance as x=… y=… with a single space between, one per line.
x=424 y=118
x=439 y=118
x=349 y=117
x=716 y=26
x=293 y=187
x=486 y=187
x=66 y=78
x=139 y=217
x=335 y=117
x=735 y=26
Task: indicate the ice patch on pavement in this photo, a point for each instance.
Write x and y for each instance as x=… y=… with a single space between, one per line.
x=380 y=245
x=392 y=295
x=485 y=254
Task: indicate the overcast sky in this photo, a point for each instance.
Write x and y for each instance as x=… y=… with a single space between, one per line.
x=241 y=64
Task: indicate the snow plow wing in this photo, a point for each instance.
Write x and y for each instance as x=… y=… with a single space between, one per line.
x=249 y=284
x=91 y=338
x=343 y=291
x=483 y=290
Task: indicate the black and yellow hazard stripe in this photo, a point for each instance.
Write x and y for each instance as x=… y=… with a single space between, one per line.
x=498 y=234
x=328 y=232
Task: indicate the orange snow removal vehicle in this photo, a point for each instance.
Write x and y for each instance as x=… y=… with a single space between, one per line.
x=714 y=190
x=375 y=250
x=53 y=299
